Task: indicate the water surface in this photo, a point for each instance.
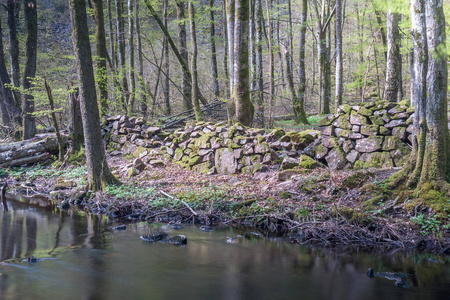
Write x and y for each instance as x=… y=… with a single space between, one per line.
x=82 y=257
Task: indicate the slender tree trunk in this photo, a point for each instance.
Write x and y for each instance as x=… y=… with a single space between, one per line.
x=252 y=41
x=339 y=61
x=75 y=122
x=131 y=53
x=195 y=100
x=30 y=14
x=167 y=109
x=230 y=9
x=212 y=32
x=225 y=52
x=13 y=15
x=120 y=22
x=99 y=173
x=186 y=83
x=102 y=54
x=241 y=95
x=141 y=81
x=271 y=62
x=111 y=35
x=259 y=62
x=302 y=44
x=382 y=28
x=55 y=121
x=393 y=57
x=298 y=108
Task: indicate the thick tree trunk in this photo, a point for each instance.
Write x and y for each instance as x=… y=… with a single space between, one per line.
x=393 y=57
x=29 y=123
x=75 y=122
x=195 y=101
x=430 y=157
x=9 y=111
x=98 y=170
x=131 y=73
x=13 y=16
x=186 y=83
x=167 y=109
x=339 y=61
x=102 y=54
x=212 y=37
x=241 y=95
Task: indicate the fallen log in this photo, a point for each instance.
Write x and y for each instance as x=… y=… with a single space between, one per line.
x=29 y=151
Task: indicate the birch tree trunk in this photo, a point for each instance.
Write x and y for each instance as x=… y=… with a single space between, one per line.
x=99 y=173
x=30 y=14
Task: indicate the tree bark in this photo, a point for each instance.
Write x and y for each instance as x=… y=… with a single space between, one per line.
x=99 y=173
x=75 y=122
x=302 y=44
x=13 y=15
x=225 y=52
x=61 y=143
x=131 y=53
x=195 y=100
x=339 y=61
x=430 y=157
x=30 y=13
x=393 y=63
x=212 y=36
x=186 y=83
x=9 y=111
x=102 y=54
x=241 y=95
x=142 y=86
x=271 y=61
x=298 y=107
x=230 y=11
x=120 y=23
x=167 y=109
x=259 y=63
x=111 y=35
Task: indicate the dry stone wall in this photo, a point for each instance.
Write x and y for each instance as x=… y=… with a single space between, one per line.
x=371 y=135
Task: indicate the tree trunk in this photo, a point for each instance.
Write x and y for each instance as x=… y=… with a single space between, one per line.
x=339 y=61
x=167 y=109
x=102 y=54
x=302 y=44
x=9 y=110
x=111 y=35
x=212 y=36
x=195 y=101
x=131 y=53
x=75 y=122
x=271 y=61
x=225 y=52
x=61 y=143
x=393 y=57
x=186 y=83
x=230 y=10
x=298 y=108
x=98 y=170
x=430 y=157
x=142 y=87
x=122 y=59
x=241 y=93
x=13 y=16
x=29 y=123
x=259 y=63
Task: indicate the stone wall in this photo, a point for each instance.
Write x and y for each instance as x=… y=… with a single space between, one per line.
x=371 y=135
x=375 y=134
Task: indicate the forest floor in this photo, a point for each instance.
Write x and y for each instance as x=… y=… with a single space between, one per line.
x=318 y=207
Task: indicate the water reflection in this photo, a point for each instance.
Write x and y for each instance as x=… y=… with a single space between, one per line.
x=82 y=258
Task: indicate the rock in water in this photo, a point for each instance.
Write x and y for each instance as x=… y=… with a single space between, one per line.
x=154 y=237
x=206 y=228
x=178 y=240
x=121 y=227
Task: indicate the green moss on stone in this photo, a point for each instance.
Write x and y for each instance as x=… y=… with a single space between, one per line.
x=307 y=162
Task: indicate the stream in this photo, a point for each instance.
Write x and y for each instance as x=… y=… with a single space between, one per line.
x=81 y=256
